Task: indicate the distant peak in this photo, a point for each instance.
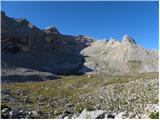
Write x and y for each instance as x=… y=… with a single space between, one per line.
x=112 y=39
x=51 y=29
x=3 y=13
x=127 y=39
x=22 y=20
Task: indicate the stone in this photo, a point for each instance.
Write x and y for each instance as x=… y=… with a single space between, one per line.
x=121 y=115
x=60 y=116
x=152 y=108
x=35 y=114
x=15 y=114
x=68 y=111
x=5 y=113
x=89 y=76
x=110 y=116
x=90 y=114
x=101 y=116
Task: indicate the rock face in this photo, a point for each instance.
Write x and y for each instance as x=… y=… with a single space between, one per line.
x=114 y=57
x=26 y=47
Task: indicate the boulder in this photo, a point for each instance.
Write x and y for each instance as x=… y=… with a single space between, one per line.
x=91 y=114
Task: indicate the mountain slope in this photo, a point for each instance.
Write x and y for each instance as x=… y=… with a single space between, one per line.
x=25 y=46
x=115 y=57
x=28 y=50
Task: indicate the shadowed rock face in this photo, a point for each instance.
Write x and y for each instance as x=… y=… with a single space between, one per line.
x=24 y=46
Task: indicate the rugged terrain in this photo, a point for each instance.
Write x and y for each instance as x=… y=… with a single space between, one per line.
x=27 y=47
x=119 y=57
x=46 y=74
x=27 y=50
x=136 y=96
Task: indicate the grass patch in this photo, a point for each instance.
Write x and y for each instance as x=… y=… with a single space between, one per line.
x=154 y=115
x=69 y=87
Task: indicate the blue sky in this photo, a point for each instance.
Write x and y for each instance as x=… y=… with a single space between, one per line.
x=96 y=19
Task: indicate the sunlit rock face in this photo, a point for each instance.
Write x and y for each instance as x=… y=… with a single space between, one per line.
x=127 y=40
x=119 y=57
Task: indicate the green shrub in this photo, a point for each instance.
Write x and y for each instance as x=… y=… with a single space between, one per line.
x=4 y=106
x=79 y=107
x=154 y=115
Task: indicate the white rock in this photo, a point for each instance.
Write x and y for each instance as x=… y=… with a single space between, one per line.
x=152 y=108
x=121 y=115
x=90 y=114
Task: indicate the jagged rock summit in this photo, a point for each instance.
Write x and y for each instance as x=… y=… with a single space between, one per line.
x=127 y=40
x=27 y=48
x=119 y=57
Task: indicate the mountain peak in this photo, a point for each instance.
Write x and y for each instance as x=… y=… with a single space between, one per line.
x=51 y=29
x=128 y=40
x=3 y=13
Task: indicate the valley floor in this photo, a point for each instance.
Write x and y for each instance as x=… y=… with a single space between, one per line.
x=129 y=96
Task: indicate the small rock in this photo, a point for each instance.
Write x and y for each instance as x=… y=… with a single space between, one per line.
x=110 y=116
x=90 y=114
x=5 y=113
x=68 y=111
x=121 y=115
x=89 y=76
x=34 y=114
x=60 y=116
x=15 y=114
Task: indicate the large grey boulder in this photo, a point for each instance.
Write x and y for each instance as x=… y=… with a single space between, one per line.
x=90 y=114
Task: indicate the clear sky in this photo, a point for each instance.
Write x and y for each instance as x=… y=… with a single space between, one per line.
x=96 y=19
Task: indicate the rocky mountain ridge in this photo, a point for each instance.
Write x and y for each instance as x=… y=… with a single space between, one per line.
x=28 y=48
x=115 y=57
x=24 y=46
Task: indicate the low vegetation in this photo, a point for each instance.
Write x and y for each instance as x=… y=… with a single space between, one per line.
x=154 y=115
x=52 y=95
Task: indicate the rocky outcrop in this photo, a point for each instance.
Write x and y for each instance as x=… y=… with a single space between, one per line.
x=115 y=57
x=24 y=46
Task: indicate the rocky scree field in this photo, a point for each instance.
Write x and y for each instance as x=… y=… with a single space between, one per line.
x=46 y=74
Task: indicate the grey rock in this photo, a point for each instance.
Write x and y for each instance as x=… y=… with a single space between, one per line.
x=34 y=114
x=110 y=116
x=15 y=114
x=5 y=113
x=121 y=115
x=91 y=114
